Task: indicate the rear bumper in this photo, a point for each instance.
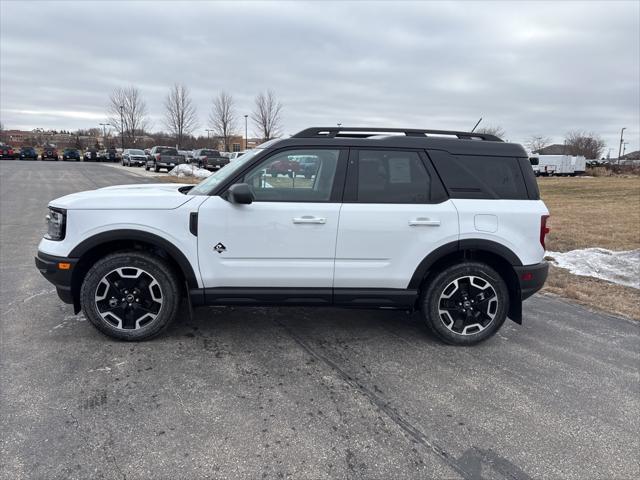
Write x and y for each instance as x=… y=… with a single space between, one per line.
x=531 y=278
x=48 y=265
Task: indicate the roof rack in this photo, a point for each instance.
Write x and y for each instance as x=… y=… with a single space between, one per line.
x=365 y=132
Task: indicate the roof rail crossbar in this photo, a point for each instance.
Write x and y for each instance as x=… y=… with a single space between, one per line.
x=364 y=132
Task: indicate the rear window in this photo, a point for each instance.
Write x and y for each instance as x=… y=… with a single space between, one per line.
x=473 y=176
x=167 y=151
x=212 y=153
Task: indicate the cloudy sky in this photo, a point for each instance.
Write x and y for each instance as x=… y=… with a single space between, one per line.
x=531 y=68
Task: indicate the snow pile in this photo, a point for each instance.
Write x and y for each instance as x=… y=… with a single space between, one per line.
x=617 y=267
x=186 y=170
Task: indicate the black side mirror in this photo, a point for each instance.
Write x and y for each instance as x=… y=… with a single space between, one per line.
x=240 y=193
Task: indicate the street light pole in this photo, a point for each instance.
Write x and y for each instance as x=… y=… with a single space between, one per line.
x=104 y=134
x=620 y=148
x=246 y=132
x=122 y=127
x=208 y=142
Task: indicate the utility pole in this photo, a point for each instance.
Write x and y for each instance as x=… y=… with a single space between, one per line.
x=208 y=137
x=122 y=127
x=621 y=140
x=246 y=132
x=104 y=134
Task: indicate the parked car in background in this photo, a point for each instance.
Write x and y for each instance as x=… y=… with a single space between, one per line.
x=133 y=157
x=187 y=154
x=108 y=155
x=91 y=155
x=308 y=165
x=70 y=154
x=209 y=159
x=28 y=153
x=163 y=157
x=6 y=152
x=235 y=155
x=285 y=166
x=49 y=153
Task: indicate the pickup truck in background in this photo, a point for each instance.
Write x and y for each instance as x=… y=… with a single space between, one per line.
x=209 y=159
x=163 y=157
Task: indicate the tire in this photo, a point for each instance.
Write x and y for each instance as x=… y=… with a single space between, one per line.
x=139 y=314
x=146 y=166
x=454 y=317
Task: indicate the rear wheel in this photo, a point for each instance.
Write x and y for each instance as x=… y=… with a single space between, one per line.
x=466 y=303
x=130 y=295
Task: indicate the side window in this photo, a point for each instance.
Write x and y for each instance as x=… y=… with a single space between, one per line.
x=390 y=176
x=303 y=175
x=474 y=176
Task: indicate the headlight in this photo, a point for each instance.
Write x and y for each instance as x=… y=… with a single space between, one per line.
x=56 y=224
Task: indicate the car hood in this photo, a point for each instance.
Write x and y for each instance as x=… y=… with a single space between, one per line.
x=155 y=196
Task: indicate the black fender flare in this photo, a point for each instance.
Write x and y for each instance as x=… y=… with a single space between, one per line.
x=139 y=235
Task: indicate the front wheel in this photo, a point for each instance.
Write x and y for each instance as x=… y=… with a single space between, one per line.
x=465 y=303
x=130 y=295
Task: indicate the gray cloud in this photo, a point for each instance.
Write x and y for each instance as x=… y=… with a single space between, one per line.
x=530 y=67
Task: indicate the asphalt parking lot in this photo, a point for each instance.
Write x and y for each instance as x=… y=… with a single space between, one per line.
x=295 y=392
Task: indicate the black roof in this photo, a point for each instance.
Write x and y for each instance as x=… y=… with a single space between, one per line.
x=455 y=142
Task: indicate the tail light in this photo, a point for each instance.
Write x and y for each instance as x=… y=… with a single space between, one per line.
x=544 y=230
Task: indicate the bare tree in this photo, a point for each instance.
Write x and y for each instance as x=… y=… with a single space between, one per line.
x=127 y=112
x=587 y=144
x=223 y=117
x=535 y=143
x=498 y=131
x=1 y=132
x=266 y=115
x=180 y=114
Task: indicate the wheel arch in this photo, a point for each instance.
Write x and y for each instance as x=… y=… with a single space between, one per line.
x=497 y=256
x=93 y=248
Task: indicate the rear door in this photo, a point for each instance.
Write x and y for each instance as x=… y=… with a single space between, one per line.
x=395 y=212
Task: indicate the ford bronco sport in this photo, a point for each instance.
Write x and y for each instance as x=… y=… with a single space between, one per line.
x=449 y=224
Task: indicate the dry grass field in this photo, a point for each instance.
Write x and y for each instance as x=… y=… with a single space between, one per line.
x=593 y=212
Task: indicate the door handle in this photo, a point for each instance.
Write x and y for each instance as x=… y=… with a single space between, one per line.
x=424 y=222
x=309 y=219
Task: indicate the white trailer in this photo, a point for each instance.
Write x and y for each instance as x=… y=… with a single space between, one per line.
x=548 y=165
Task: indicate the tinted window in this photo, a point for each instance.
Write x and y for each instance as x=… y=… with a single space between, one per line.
x=167 y=151
x=281 y=177
x=388 y=176
x=212 y=153
x=472 y=176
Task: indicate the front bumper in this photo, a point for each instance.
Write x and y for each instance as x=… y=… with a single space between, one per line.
x=531 y=278
x=49 y=267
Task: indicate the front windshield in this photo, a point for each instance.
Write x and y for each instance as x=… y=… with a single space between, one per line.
x=136 y=152
x=209 y=183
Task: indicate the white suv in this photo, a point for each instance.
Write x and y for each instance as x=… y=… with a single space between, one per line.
x=447 y=223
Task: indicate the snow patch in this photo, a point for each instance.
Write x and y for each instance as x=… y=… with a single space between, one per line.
x=622 y=268
x=186 y=170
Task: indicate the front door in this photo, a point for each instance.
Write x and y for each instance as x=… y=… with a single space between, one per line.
x=287 y=237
